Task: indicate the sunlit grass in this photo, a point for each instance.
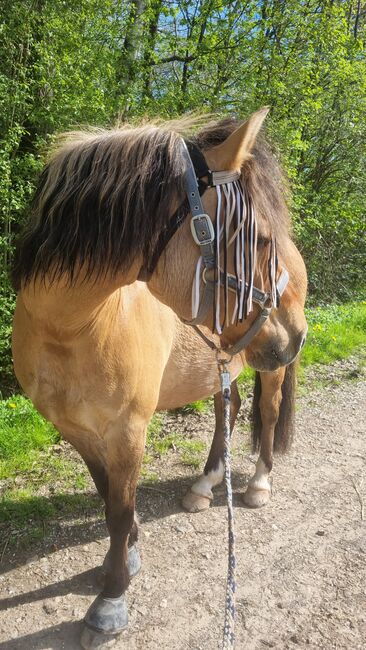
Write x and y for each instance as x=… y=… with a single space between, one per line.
x=200 y=406
x=23 y=434
x=335 y=332
x=245 y=380
x=30 y=460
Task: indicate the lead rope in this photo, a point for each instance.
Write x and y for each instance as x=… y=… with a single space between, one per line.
x=229 y=623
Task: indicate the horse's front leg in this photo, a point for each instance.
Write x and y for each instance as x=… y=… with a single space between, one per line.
x=108 y=613
x=273 y=410
x=200 y=495
x=92 y=450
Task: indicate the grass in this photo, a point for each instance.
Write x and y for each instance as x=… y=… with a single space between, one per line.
x=31 y=457
x=29 y=448
x=159 y=443
x=21 y=505
x=24 y=433
x=201 y=406
x=335 y=332
x=245 y=380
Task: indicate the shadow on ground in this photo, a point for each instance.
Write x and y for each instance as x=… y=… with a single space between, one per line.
x=66 y=632
x=154 y=501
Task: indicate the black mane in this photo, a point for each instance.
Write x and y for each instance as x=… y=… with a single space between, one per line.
x=100 y=203
x=104 y=198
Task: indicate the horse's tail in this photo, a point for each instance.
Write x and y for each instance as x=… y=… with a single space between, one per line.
x=284 y=429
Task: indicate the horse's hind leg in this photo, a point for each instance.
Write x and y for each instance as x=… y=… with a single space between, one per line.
x=108 y=613
x=273 y=412
x=200 y=495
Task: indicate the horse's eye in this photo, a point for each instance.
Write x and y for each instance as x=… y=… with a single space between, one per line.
x=262 y=242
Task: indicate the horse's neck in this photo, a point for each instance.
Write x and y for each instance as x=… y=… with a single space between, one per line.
x=72 y=308
x=171 y=282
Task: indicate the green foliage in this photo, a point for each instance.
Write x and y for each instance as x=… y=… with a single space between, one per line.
x=19 y=506
x=154 y=430
x=24 y=508
x=7 y=304
x=200 y=406
x=335 y=332
x=29 y=461
x=99 y=61
x=192 y=453
x=23 y=433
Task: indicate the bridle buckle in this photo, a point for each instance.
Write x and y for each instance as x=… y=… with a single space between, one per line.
x=202 y=229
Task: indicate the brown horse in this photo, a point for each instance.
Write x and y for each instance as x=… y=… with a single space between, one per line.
x=98 y=351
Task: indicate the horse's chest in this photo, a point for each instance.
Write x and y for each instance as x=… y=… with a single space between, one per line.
x=191 y=373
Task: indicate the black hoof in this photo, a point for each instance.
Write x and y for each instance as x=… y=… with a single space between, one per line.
x=133 y=561
x=107 y=615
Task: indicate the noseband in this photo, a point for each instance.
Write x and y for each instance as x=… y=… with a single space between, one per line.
x=203 y=233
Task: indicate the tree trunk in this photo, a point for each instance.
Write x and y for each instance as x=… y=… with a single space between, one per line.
x=127 y=68
x=149 y=49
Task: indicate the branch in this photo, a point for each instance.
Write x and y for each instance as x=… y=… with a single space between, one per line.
x=176 y=57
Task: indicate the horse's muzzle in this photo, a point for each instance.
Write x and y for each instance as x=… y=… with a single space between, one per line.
x=273 y=356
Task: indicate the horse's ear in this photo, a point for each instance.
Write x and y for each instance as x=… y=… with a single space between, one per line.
x=236 y=149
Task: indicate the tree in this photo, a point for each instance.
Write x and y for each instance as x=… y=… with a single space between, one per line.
x=64 y=64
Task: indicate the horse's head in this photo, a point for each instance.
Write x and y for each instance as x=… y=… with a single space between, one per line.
x=126 y=195
x=253 y=259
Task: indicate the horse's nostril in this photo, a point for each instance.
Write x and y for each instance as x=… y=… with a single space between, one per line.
x=302 y=342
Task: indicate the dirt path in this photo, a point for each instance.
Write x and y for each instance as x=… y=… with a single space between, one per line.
x=301 y=560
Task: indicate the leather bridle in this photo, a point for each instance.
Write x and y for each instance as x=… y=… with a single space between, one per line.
x=203 y=234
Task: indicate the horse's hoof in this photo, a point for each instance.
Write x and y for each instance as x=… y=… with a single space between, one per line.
x=255 y=497
x=194 y=502
x=107 y=615
x=133 y=561
x=92 y=640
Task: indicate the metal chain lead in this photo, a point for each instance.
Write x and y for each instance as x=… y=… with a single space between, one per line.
x=229 y=624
